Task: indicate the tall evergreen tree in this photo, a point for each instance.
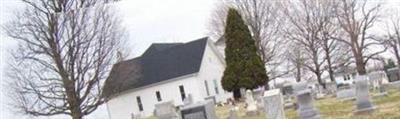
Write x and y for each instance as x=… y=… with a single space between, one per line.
x=245 y=68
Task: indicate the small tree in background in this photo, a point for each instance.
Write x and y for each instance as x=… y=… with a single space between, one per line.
x=390 y=64
x=245 y=68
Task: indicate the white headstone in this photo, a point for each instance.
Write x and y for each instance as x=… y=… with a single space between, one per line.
x=362 y=95
x=251 y=109
x=346 y=93
x=233 y=113
x=135 y=116
x=258 y=95
x=273 y=103
x=165 y=110
x=331 y=87
x=320 y=93
x=299 y=87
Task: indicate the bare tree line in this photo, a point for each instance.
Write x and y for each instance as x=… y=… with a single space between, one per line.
x=392 y=37
x=320 y=36
x=66 y=48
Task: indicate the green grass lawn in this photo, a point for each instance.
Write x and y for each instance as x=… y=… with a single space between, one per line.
x=387 y=107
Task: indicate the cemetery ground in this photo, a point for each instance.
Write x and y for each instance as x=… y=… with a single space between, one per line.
x=388 y=107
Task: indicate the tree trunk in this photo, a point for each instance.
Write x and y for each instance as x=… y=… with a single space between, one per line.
x=298 y=74
x=330 y=70
x=396 y=53
x=74 y=104
x=328 y=59
x=76 y=115
x=320 y=80
x=398 y=63
x=236 y=94
x=360 y=65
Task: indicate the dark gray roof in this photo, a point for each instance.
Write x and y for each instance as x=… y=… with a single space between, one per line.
x=160 y=62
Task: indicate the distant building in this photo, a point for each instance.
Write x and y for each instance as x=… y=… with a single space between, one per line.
x=345 y=76
x=165 y=72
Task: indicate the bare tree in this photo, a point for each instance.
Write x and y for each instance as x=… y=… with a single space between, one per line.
x=296 y=58
x=336 y=53
x=328 y=31
x=66 y=48
x=393 y=36
x=217 y=22
x=311 y=27
x=356 y=18
x=263 y=18
x=264 y=21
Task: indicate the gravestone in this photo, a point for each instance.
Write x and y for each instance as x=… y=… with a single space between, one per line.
x=299 y=87
x=166 y=110
x=288 y=102
x=251 y=109
x=306 y=108
x=233 y=113
x=258 y=95
x=346 y=93
x=200 y=110
x=242 y=91
x=135 y=116
x=320 y=92
x=373 y=81
x=287 y=89
x=377 y=78
x=288 y=92
x=392 y=85
x=331 y=87
x=273 y=103
x=363 y=101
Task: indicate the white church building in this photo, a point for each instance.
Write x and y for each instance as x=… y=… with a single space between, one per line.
x=165 y=72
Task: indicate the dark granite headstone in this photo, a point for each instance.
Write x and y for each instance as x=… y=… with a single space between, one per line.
x=287 y=89
x=200 y=110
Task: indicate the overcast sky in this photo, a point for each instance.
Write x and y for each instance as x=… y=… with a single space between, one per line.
x=146 y=21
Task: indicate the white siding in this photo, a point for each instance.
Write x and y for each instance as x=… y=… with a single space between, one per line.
x=339 y=78
x=123 y=106
x=212 y=68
